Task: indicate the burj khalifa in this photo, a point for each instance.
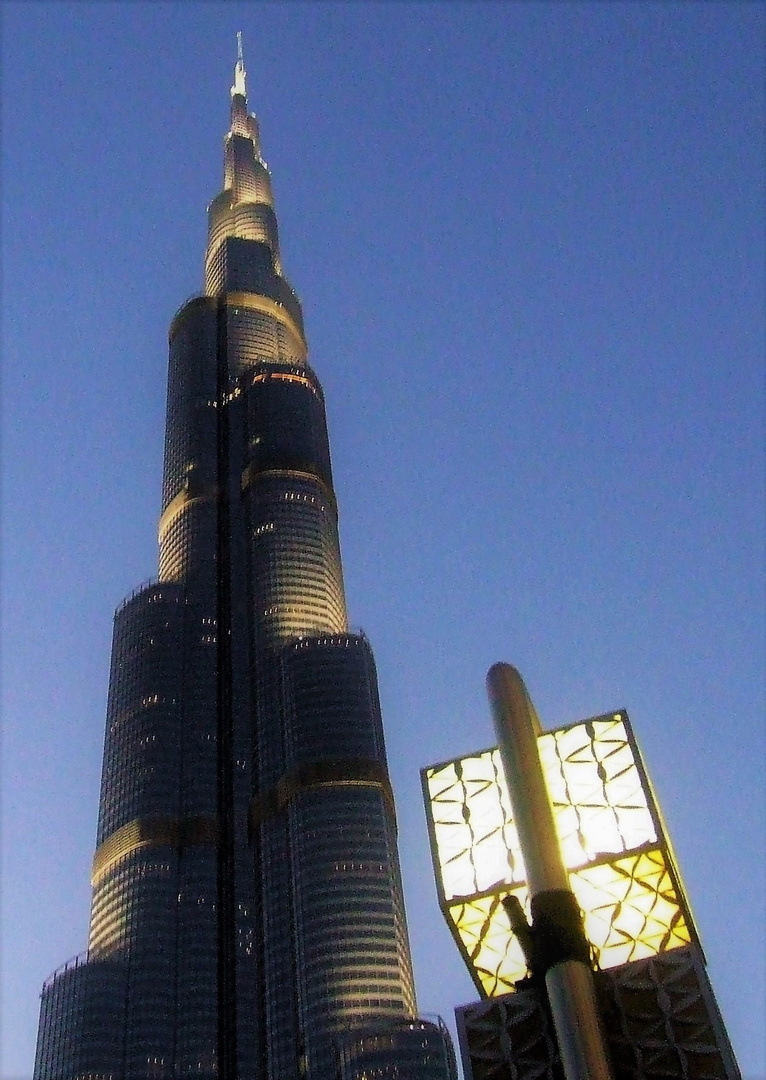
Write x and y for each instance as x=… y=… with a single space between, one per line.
x=247 y=918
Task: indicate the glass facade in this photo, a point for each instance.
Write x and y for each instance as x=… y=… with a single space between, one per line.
x=247 y=909
x=407 y=1049
x=82 y=1006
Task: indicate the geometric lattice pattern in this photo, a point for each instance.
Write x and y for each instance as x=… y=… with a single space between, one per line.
x=631 y=907
x=509 y=1036
x=613 y=844
x=484 y=937
x=661 y=1023
x=594 y=778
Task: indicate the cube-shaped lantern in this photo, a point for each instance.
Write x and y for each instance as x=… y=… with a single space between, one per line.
x=613 y=844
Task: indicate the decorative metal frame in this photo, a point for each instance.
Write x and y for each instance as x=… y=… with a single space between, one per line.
x=661 y=1022
x=613 y=843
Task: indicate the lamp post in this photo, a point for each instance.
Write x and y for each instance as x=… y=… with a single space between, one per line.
x=560 y=953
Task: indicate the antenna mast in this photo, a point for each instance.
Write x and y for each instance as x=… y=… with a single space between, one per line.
x=239 y=70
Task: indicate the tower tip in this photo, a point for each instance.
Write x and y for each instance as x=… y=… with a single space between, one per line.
x=239 y=70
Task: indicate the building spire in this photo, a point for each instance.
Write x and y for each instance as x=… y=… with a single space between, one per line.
x=239 y=70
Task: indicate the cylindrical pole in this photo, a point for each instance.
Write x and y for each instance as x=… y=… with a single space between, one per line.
x=560 y=943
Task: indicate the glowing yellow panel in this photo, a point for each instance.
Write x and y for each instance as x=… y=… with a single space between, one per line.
x=599 y=801
x=598 y=798
x=631 y=907
x=472 y=824
x=631 y=910
x=491 y=950
x=621 y=868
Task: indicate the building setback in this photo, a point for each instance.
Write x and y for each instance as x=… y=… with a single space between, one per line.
x=247 y=918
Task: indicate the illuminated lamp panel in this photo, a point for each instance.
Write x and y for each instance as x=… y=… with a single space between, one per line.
x=596 y=789
x=631 y=908
x=599 y=801
x=620 y=865
x=490 y=948
x=477 y=846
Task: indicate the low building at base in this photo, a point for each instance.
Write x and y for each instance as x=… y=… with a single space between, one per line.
x=419 y=1049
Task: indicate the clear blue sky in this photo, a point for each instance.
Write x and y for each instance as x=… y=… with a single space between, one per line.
x=529 y=243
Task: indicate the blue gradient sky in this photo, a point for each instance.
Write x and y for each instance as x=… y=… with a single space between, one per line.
x=529 y=243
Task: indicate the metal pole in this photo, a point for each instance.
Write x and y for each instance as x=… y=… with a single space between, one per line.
x=561 y=948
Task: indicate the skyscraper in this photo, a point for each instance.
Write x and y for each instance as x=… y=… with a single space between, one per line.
x=247 y=914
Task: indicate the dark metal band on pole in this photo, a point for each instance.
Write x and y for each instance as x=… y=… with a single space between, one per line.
x=560 y=942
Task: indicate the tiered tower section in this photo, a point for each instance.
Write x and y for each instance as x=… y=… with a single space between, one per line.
x=247 y=912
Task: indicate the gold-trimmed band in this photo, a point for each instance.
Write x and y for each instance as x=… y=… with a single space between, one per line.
x=153 y=832
x=266 y=306
x=254 y=301
x=251 y=474
x=351 y=772
x=178 y=504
